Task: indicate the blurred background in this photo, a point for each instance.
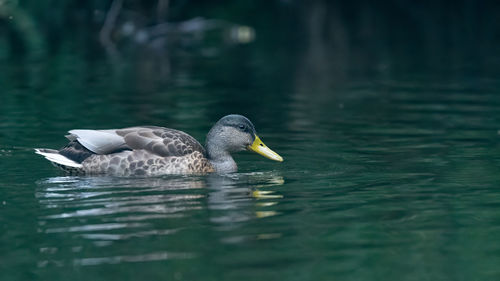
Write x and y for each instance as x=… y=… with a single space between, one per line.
x=68 y=55
x=387 y=114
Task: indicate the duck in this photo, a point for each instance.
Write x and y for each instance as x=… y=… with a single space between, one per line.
x=156 y=151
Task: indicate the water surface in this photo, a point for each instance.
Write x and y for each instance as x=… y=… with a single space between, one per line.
x=390 y=171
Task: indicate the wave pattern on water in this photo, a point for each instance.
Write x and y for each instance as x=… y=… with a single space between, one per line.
x=92 y=213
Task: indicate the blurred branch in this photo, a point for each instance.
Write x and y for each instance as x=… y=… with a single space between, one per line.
x=107 y=28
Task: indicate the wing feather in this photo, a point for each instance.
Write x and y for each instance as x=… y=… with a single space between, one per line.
x=98 y=141
x=157 y=140
x=161 y=141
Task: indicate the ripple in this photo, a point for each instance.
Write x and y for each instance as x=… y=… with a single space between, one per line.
x=106 y=236
x=156 y=256
x=113 y=211
x=137 y=258
x=119 y=217
x=95 y=227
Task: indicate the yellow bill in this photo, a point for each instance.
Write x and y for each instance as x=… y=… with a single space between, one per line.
x=259 y=147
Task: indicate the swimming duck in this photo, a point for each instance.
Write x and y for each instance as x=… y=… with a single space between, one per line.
x=151 y=150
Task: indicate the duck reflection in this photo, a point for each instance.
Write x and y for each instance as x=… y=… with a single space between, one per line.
x=233 y=196
x=86 y=213
x=108 y=195
x=97 y=196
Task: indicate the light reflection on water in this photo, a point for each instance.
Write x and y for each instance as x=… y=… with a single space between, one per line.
x=138 y=258
x=84 y=213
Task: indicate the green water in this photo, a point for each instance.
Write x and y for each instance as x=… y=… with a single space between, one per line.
x=390 y=172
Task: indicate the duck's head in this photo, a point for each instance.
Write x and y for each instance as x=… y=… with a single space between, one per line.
x=233 y=133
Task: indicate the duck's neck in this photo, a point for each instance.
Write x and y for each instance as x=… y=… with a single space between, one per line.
x=226 y=165
x=219 y=157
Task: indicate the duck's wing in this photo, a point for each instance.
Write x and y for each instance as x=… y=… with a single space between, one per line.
x=98 y=141
x=156 y=140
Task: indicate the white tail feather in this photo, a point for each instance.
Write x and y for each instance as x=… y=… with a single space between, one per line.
x=58 y=158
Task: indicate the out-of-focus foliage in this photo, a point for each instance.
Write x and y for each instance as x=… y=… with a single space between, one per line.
x=316 y=43
x=376 y=28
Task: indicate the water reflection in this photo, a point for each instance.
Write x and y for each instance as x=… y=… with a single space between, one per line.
x=231 y=192
x=138 y=258
x=79 y=214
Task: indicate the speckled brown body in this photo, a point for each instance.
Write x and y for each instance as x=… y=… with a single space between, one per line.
x=135 y=151
x=142 y=163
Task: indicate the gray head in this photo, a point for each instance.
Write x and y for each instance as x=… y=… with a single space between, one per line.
x=233 y=133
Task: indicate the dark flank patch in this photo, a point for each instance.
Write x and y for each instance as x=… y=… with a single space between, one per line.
x=140 y=163
x=133 y=165
x=75 y=151
x=150 y=162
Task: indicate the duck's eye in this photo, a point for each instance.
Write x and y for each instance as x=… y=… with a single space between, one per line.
x=242 y=127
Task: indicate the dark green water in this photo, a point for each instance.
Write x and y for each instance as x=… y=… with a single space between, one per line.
x=390 y=172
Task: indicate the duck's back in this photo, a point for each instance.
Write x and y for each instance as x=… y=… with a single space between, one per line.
x=135 y=151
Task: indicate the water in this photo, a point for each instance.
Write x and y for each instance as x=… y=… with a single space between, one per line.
x=406 y=188
x=390 y=171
